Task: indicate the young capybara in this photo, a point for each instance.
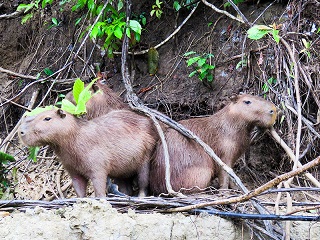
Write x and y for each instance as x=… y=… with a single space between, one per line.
x=118 y=144
x=103 y=100
x=227 y=132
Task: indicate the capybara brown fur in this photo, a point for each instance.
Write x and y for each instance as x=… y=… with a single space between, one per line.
x=118 y=144
x=227 y=132
x=103 y=100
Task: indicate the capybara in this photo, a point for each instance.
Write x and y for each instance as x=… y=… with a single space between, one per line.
x=118 y=144
x=103 y=100
x=227 y=132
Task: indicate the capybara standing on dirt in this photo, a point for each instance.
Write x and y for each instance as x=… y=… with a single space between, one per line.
x=118 y=144
x=227 y=132
x=103 y=100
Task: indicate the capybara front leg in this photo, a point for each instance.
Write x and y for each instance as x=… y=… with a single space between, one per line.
x=79 y=183
x=99 y=184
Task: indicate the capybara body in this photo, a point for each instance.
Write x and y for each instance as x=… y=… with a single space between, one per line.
x=103 y=100
x=227 y=132
x=118 y=144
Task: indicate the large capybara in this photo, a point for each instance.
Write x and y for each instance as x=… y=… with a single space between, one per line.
x=227 y=132
x=103 y=100
x=118 y=144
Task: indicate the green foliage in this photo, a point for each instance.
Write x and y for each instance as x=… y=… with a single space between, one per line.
x=307 y=46
x=110 y=27
x=48 y=71
x=4 y=182
x=55 y=23
x=202 y=68
x=38 y=110
x=257 y=32
x=33 y=152
x=266 y=86
x=242 y=63
x=234 y=1
x=156 y=9
x=113 y=28
x=177 y=5
x=30 y=8
x=81 y=96
x=140 y=18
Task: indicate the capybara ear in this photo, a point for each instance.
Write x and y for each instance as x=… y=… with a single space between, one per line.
x=234 y=97
x=61 y=113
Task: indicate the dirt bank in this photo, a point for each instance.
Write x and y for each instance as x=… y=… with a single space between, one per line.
x=92 y=219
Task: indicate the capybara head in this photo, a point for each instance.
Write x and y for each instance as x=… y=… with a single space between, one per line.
x=252 y=109
x=103 y=100
x=46 y=127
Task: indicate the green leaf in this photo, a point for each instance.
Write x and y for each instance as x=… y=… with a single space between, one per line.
x=275 y=34
x=135 y=26
x=120 y=5
x=189 y=53
x=152 y=12
x=26 y=17
x=25 y=7
x=128 y=33
x=68 y=106
x=33 y=152
x=258 y=31
x=176 y=5
x=193 y=73
x=91 y=5
x=48 y=71
x=192 y=60
x=38 y=110
x=78 y=87
x=210 y=78
x=144 y=20
x=5 y=158
x=201 y=61
x=45 y=2
x=158 y=13
x=84 y=97
x=242 y=63
x=55 y=21
x=118 y=32
x=78 y=21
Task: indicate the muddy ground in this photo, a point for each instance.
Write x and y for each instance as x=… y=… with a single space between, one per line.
x=28 y=49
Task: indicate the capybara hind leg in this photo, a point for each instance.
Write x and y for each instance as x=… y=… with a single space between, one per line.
x=79 y=184
x=143 y=180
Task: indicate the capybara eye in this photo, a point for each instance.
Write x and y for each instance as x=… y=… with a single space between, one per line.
x=247 y=102
x=47 y=119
